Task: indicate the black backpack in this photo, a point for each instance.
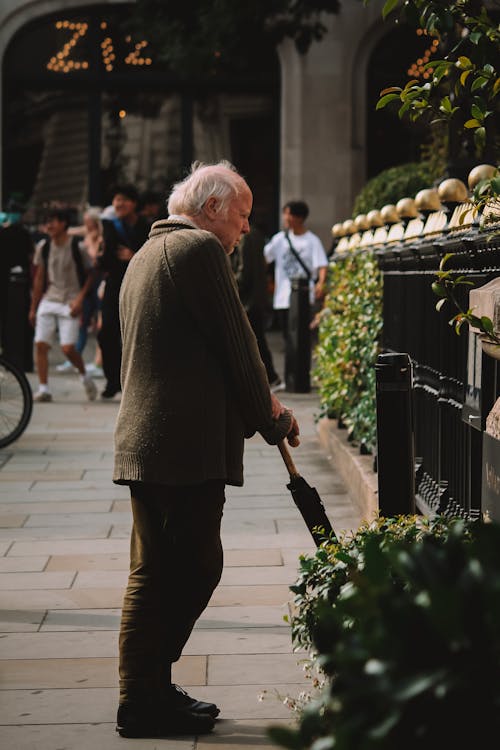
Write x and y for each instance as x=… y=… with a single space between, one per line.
x=77 y=259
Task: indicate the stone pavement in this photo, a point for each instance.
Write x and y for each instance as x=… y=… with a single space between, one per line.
x=64 y=530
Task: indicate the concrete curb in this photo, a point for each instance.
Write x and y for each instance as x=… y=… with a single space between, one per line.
x=354 y=469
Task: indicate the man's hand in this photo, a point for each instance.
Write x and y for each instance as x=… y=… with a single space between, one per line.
x=75 y=307
x=294 y=431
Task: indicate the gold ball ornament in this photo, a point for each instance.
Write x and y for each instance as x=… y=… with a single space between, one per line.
x=348 y=227
x=453 y=190
x=481 y=172
x=374 y=218
x=361 y=223
x=428 y=200
x=389 y=214
x=337 y=230
x=406 y=208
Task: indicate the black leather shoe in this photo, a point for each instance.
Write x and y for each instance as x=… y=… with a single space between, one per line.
x=110 y=392
x=161 y=721
x=181 y=699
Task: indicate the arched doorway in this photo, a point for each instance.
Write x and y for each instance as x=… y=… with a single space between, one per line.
x=86 y=105
x=398 y=55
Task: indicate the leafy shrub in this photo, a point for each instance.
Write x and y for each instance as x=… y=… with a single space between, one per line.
x=393 y=184
x=403 y=619
x=347 y=347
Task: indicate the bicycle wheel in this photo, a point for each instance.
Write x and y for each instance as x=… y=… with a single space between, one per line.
x=16 y=402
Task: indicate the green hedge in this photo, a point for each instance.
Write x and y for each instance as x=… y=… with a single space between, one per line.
x=347 y=347
x=393 y=184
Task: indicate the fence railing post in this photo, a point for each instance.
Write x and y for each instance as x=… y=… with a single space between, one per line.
x=395 y=444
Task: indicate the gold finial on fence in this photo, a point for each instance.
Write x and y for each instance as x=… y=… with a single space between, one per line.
x=452 y=190
x=481 y=172
x=428 y=200
x=361 y=223
x=374 y=218
x=337 y=230
x=348 y=227
x=406 y=208
x=389 y=214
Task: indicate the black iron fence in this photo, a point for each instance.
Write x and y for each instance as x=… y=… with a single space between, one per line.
x=455 y=384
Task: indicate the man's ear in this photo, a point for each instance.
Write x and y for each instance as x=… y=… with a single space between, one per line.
x=210 y=207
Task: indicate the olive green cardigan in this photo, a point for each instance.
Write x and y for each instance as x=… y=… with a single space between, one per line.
x=193 y=383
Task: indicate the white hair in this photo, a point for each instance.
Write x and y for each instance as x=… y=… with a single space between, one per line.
x=95 y=213
x=220 y=181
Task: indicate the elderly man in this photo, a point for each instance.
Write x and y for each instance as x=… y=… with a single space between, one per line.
x=194 y=387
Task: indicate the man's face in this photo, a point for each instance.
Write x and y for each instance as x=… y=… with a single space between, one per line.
x=230 y=228
x=290 y=221
x=124 y=207
x=55 y=227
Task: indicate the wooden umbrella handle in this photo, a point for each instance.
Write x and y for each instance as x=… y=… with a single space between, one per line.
x=287 y=459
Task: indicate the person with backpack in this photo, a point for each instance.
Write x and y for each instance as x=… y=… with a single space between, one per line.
x=123 y=235
x=63 y=277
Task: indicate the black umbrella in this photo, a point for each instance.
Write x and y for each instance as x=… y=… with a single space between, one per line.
x=307 y=500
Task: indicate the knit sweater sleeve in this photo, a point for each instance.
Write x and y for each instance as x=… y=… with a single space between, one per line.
x=205 y=282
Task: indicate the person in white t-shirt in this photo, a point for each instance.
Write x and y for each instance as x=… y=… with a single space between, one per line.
x=308 y=247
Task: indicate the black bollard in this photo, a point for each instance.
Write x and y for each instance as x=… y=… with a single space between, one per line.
x=395 y=444
x=298 y=341
x=17 y=335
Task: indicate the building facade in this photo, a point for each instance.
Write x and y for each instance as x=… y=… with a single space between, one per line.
x=304 y=135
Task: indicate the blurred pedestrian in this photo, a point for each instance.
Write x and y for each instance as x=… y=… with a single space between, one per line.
x=123 y=236
x=62 y=279
x=194 y=387
x=249 y=266
x=151 y=206
x=91 y=239
x=296 y=253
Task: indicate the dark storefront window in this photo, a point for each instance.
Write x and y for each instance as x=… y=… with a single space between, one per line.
x=87 y=105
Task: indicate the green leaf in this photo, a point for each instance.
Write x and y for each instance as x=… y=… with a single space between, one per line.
x=479 y=83
x=472 y=124
x=389 y=7
x=444 y=260
x=439 y=289
x=464 y=62
x=475 y=37
x=440 y=304
x=477 y=113
x=495 y=185
x=385 y=100
x=285 y=737
x=487 y=324
x=464 y=76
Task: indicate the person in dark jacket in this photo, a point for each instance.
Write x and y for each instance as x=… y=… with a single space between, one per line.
x=250 y=269
x=122 y=236
x=194 y=386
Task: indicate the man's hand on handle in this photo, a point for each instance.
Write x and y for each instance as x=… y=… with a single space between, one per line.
x=278 y=409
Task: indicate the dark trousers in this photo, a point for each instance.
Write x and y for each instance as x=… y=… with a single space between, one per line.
x=109 y=338
x=256 y=318
x=176 y=562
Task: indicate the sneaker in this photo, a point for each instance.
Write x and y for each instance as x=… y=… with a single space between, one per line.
x=160 y=720
x=277 y=385
x=42 y=397
x=94 y=370
x=90 y=388
x=181 y=699
x=66 y=367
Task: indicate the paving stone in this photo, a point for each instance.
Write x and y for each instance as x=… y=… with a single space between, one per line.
x=23 y=564
x=58 y=645
x=34 y=674
x=30 y=581
x=4 y=547
x=72 y=519
x=255 y=576
x=99 y=704
x=63 y=599
x=62 y=532
x=62 y=547
x=241 y=596
x=232 y=734
x=226 y=669
x=20 y=621
x=219 y=618
x=81 y=619
x=12 y=520
x=101 y=578
x=62 y=475
x=48 y=507
x=88 y=562
x=274 y=640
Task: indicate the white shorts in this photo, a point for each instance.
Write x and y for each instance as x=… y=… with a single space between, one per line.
x=52 y=317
